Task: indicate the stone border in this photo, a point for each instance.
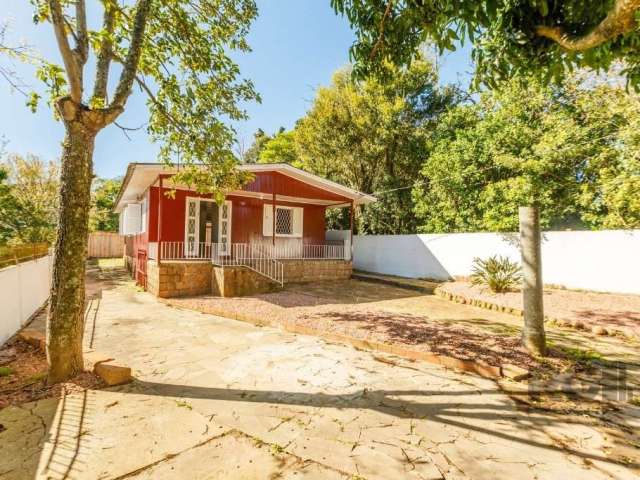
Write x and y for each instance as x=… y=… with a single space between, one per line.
x=105 y=367
x=394 y=282
x=477 y=367
x=559 y=322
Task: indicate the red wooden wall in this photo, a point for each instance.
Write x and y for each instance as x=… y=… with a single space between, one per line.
x=247 y=213
x=284 y=185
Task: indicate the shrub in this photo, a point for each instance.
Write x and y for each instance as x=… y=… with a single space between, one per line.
x=498 y=273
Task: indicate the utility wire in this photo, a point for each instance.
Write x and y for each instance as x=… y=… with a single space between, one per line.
x=462 y=174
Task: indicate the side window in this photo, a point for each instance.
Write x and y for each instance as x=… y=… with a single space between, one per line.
x=144 y=215
x=284 y=221
x=288 y=221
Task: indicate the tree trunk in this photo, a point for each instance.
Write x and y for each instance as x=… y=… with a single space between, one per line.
x=533 y=336
x=65 y=322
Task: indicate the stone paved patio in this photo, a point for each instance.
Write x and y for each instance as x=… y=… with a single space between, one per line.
x=216 y=398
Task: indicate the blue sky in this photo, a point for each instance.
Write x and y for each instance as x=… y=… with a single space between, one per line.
x=297 y=45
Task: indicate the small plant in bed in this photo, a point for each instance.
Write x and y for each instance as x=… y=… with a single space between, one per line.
x=497 y=272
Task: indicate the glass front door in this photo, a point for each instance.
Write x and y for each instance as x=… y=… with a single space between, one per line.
x=224 y=227
x=191 y=233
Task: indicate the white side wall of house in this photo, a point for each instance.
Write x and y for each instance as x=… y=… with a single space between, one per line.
x=606 y=260
x=130 y=222
x=23 y=290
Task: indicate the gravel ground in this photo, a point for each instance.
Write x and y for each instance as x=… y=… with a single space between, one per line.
x=379 y=313
x=615 y=312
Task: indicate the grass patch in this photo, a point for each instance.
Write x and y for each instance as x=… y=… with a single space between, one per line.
x=182 y=403
x=5 y=371
x=38 y=377
x=276 y=449
x=110 y=262
x=635 y=401
x=579 y=355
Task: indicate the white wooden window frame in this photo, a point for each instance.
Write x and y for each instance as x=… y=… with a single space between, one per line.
x=144 y=214
x=229 y=219
x=197 y=201
x=297 y=220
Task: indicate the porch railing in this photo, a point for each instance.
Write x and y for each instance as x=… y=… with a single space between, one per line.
x=185 y=250
x=264 y=258
x=299 y=251
x=254 y=251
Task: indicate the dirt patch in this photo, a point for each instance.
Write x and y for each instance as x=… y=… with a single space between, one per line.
x=23 y=376
x=614 y=312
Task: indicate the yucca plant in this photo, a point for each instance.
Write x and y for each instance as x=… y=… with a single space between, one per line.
x=497 y=272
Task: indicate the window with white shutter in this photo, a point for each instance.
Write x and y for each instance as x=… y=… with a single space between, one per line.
x=144 y=215
x=288 y=221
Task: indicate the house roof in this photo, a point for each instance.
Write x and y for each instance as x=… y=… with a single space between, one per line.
x=141 y=176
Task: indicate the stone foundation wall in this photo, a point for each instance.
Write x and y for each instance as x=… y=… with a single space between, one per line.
x=297 y=271
x=183 y=279
x=178 y=279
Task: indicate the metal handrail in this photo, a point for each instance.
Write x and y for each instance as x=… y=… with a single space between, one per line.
x=248 y=255
x=263 y=258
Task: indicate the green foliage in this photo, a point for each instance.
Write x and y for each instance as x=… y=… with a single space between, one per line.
x=201 y=90
x=28 y=200
x=610 y=181
x=5 y=371
x=370 y=136
x=23 y=252
x=103 y=197
x=570 y=149
x=497 y=272
x=505 y=34
x=193 y=86
x=280 y=149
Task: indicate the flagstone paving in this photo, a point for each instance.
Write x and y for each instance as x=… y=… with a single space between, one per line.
x=216 y=398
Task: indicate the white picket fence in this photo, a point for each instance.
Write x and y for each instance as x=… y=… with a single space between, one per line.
x=24 y=288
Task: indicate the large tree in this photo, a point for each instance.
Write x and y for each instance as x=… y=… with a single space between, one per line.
x=509 y=37
x=544 y=38
x=570 y=149
x=370 y=135
x=177 y=53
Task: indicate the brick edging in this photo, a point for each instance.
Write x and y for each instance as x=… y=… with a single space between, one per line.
x=559 y=322
x=477 y=367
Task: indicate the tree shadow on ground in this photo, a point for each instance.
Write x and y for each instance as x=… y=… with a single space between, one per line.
x=462 y=415
x=443 y=337
x=619 y=318
x=335 y=292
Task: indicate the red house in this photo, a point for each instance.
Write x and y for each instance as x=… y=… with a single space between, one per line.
x=269 y=233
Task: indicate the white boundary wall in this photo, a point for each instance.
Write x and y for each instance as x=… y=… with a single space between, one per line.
x=607 y=260
x=23 y=290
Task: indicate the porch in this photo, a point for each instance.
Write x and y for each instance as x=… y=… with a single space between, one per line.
x=173 y=269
